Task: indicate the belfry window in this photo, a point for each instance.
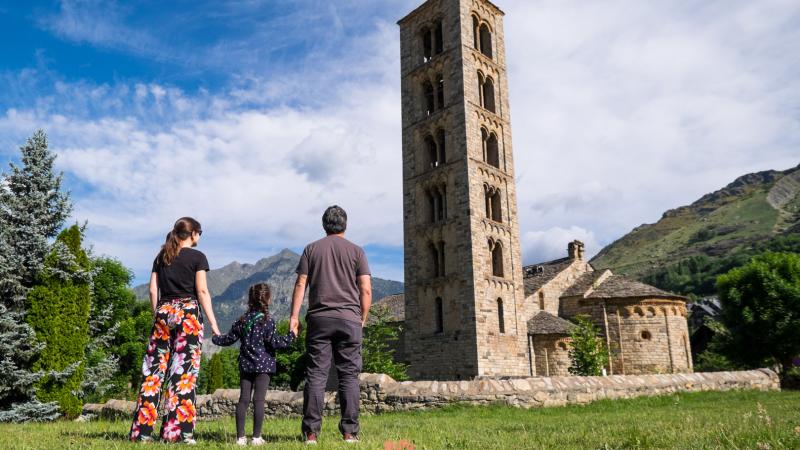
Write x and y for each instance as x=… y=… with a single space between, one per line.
x=432 y=150
x=439 y=91
x=493 y=209
x=501 y=321
x=497 y=258
x=485 y=40
x=487 y=94
x=437 y=206
x=441 y=145
x=476 y=33
x=428 y=96
x=427 y=45
x=436 y=251
x=439 y=315
x=491 y=153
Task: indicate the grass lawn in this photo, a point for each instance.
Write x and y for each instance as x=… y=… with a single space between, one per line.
x=729 y=420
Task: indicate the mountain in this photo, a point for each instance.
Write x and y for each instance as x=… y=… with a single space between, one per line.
x=690 y=245
x=229 y=284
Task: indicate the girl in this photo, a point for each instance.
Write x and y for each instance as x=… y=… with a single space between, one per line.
x=177 y=284
x=256 y=329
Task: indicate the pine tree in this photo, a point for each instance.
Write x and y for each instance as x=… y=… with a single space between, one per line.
x=32 y=210
x=215 y=374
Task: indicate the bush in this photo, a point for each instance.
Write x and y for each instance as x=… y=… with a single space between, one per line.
x=588 y=352
x=377 y=350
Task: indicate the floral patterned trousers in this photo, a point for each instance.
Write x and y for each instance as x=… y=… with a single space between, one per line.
x=173 y=358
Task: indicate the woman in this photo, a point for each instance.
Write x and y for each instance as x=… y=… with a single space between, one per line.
x=173 y=355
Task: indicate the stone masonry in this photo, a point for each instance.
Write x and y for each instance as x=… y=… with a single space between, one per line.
x=464 y=298
x=380 y=393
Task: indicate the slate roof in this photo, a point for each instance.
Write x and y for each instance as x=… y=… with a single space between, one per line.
x=616 y=286
x=546 y=323
x=537 y=275
x=583 y=283
x=395 y=304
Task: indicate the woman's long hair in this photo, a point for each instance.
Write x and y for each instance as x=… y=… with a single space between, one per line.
x=182 y=230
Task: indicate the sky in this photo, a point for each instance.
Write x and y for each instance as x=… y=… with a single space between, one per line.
x=253 y=116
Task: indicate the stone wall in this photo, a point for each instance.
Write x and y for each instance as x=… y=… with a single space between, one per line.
x=551 y=355
x=380 y=393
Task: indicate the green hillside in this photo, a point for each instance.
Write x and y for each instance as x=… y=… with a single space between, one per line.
x=690 y=245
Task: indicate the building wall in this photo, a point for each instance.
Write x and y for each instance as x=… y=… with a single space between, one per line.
x=551 y=355
x=645 y=335
x=470 y=343
x=554 y=289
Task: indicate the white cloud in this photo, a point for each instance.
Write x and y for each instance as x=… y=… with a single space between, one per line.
x=550 y=244
x=621 y=110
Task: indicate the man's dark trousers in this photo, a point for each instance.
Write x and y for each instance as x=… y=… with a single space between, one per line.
x=326 y=335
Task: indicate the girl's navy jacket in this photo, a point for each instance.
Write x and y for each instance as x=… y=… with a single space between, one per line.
x=259 y=342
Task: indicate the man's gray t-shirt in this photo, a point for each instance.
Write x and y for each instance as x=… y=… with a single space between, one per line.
x=333 y=265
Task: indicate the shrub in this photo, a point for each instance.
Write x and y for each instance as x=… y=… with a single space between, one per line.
x=588 y=353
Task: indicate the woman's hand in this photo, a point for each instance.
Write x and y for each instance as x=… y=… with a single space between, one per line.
x=215 y=330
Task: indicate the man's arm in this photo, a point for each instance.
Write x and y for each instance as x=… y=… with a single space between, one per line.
x=297 y=303
x=365 y=295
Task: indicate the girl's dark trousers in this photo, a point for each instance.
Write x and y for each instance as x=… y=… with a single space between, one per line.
x=255 y=385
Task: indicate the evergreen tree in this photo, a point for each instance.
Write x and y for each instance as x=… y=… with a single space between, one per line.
x=215 y=374
x=58 y=311
x=32 y=210
x=588 y=351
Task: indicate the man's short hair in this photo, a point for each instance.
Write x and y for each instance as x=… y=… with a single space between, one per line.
x=334 y=221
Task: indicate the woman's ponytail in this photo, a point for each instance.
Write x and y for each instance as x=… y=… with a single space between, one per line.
x=181 y=231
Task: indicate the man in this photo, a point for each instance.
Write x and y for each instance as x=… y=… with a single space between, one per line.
x=340 y=294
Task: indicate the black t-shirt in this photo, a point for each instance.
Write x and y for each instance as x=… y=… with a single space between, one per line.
x=177 y=280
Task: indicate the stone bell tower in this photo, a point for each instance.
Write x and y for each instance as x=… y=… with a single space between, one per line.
x=463 y=269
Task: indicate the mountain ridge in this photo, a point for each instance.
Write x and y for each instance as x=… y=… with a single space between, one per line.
x=744 y=217
x=229 y=284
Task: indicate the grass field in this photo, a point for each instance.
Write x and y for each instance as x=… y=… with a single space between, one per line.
x=731 y=420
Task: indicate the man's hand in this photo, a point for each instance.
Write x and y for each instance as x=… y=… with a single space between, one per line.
x=294 y=325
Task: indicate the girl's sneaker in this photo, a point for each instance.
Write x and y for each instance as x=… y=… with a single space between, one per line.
x=241 y=441
x=257 y=441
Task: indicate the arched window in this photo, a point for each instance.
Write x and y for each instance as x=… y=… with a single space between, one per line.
x=486 y=40
x=497 y=258
x=491 y=152
x=439 y=91
x=481 y=81
x=434 y=252
x=541 y=301
x=437 y=207
x=476 y=33
x=427 y=45
x=427 y=93
x=439 y=315
x=441 y=144
x=439 y=38
x=432 y=151
x=493 y=210
x=488 y=94
x=500 y=316
x=441 y=259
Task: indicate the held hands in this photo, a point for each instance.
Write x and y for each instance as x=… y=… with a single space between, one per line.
x=294 y=325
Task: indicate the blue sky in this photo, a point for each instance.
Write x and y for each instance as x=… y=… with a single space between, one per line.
x=255 y=115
